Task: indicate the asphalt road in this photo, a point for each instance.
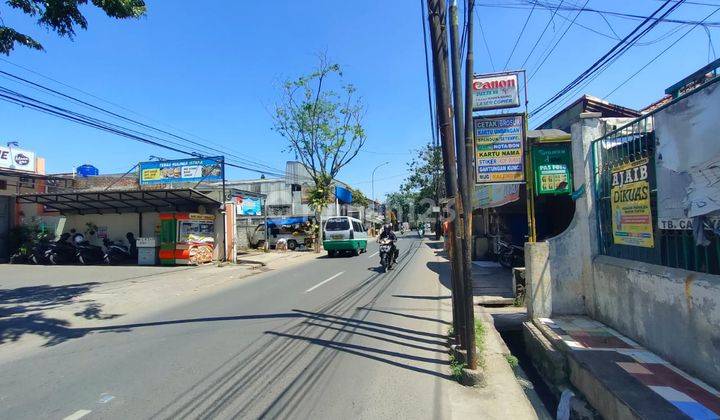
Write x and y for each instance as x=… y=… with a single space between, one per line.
x=330 y=338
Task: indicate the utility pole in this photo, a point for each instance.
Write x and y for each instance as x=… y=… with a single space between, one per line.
x=438 y=38
x=462 y=200
x=470 y=180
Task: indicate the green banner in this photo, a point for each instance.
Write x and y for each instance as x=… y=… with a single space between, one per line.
x=552 y=167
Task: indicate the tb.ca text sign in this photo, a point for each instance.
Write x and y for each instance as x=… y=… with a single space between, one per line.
x=495 y=92
x=499 y=144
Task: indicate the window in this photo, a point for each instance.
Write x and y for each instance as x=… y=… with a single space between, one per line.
x=357 y=226
x=337 y=224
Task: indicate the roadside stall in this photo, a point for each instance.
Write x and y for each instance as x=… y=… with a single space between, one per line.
x=195 y=218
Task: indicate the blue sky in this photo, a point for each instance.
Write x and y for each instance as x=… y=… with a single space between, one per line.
x=213 y=70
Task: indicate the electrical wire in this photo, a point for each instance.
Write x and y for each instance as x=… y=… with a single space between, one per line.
x=532 y=50
x=658 y=55
x=549 y=53
x=620 y=48
x=29 y=70
x=482 y=33
x=522 y=31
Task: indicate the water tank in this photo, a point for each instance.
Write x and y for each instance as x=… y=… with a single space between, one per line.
x=87 y=170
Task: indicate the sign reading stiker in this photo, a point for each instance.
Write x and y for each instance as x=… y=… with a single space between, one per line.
x=495 y=92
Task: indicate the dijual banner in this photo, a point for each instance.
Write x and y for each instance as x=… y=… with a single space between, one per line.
x=185 y=170
x=630 y=205
x=499 y=149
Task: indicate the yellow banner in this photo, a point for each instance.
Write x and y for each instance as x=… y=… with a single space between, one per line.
x=630 y=204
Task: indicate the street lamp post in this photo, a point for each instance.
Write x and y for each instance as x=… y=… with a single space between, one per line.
x=372 y=182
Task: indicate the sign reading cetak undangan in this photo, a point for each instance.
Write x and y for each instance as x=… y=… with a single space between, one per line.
x=630 y=205
x=17 y=159
x=499 y=149
x=495 y=92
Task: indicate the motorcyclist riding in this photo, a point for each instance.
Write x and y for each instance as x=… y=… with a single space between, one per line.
x=387 y=233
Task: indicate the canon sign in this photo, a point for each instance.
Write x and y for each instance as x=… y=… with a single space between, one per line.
x=17 y=159
x=495 y=92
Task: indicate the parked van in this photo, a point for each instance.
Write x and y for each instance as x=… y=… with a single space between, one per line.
x=295 y=231
x=344 y=234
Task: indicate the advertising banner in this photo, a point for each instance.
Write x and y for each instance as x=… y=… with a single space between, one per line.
x=17 y=159
x=495 y=92
x=552 y=165
x=630 y=205
x=184 y=170
x=249 y=206
x=489 y=196
x=499 y=144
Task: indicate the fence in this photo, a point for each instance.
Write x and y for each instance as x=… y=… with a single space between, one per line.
x=626 y=197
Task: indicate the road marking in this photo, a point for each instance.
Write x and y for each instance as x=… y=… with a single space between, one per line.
x=78 y=415
x=324 y=281
x=373 y=254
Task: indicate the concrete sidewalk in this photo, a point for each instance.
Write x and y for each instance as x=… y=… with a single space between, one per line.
x=504 y=395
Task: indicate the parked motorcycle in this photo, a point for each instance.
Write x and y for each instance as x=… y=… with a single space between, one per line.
x=60 y=251
x=118 y=253
x=510 y=255
x=87 y=253
x=387 y=257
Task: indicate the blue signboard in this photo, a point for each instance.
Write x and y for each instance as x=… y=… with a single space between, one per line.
x=343 y=195
x=184 y=170
x=250 y=206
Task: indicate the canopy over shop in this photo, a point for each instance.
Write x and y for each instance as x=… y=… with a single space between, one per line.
x=113 y=213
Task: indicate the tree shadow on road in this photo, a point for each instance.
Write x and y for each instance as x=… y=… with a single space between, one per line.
x=22 y=312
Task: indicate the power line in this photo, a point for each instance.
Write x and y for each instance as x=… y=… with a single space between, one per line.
x=659 y=55
x=620 y=48
x=482 y=33
x=532 y=50
x=247 y=158
x=519 y=36
x=17 y=98
x=122 y=117
x=555 y=45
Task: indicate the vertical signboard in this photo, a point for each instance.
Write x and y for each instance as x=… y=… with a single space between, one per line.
x=630 y=205
x=499 y=144
x=552 y=165
x=495 y=92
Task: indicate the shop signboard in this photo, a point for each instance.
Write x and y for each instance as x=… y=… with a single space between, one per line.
x=249 y=206
x=17 y=159
x=499 y=144
x=489 y=196
x=552 y=167
x=182 y=170
x=630 y=205
x=495 y=92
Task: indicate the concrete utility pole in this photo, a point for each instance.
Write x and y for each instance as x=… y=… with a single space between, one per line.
x=470 y=180
x=462 y=200
x=438 y=38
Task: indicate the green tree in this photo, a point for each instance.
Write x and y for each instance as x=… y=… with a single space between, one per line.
x=359 y=199
x=321 y=118
x=61 y=17
x=425 y=179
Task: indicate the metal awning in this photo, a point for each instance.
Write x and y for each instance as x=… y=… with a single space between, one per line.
x=121 y=201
